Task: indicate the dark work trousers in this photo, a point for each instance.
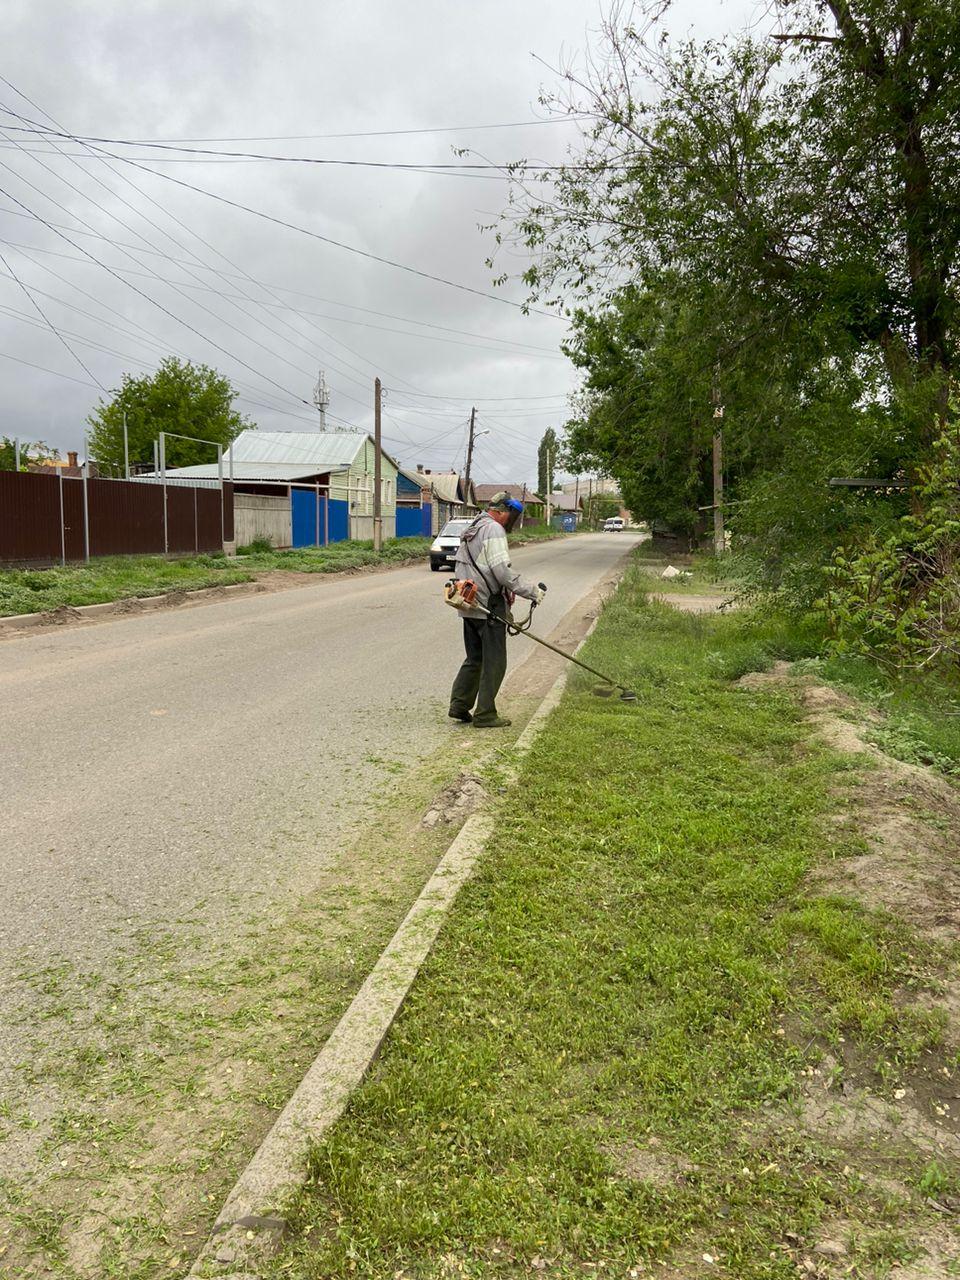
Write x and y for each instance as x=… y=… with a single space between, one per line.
x=479 y=679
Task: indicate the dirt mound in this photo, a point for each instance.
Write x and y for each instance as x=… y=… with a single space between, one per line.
x=62 y=614
x=455 y=802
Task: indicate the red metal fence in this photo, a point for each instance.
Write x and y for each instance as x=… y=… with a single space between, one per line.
x=52 y=519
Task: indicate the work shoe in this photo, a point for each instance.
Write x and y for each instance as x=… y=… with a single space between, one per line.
x=463 y=716
x=501 y=722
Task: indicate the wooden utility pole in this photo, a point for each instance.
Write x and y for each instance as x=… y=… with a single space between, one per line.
x=523 y=500
x=576 y=500
x=719 y=538
x=590 y=503
x=549 y=485
x=377 y=514
x=466 y=478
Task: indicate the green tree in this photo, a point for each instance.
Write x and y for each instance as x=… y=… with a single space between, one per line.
x=547 y=461
x=30 y=451
x=181 y=397
x=773 y=220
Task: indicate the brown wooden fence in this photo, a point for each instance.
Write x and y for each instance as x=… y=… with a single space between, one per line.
x=51 y=520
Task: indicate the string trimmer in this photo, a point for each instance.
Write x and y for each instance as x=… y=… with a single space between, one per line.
x=462 y=594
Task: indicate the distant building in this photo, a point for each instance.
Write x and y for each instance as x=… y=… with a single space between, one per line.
x=303 y=488
x=445 y=491
x=533 y=504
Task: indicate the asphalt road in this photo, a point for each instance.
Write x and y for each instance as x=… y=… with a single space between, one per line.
x=181 y=763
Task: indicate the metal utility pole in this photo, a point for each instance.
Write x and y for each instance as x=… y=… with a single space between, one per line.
x=719 y=537
x=321 y=399
x=16 y=454
x=549 y=483
x=466 y=478
x=126 y=449
x=576 y=498
x=590 y=503
x=377 y=516
x=523 y=499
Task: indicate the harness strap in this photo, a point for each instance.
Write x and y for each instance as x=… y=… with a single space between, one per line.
x=466 y=546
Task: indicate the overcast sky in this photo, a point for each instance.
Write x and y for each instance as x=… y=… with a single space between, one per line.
x=265 y=304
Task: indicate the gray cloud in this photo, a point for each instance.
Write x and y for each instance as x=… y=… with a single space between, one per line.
x=170 y=68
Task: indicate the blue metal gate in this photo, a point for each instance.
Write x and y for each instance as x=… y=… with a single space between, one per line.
x=339 y=520
x=413 y=522
x=307 y=518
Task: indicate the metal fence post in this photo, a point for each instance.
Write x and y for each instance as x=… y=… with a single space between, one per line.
x=163 y=482
x=63 y=532
x=86 y=502
x=220 y=474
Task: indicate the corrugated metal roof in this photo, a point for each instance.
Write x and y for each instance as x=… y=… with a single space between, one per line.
x=446 y=485
x=279 y=471
x=566 y=502
x=316 y=450
x=485 y=492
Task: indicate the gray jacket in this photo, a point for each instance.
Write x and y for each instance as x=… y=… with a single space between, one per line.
x=484 y=557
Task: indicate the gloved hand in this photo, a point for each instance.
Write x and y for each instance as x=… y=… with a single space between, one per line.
x=541 y=592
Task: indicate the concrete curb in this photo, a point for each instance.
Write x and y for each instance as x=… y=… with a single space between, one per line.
x=125 y=606
x=250 y=1226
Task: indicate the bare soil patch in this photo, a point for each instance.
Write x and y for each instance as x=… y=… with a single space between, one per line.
x=887 y=1132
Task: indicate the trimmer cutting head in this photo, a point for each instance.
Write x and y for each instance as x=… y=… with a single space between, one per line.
x=608 y=690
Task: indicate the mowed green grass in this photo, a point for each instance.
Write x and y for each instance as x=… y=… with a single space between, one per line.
x=120 y=577
x=112 y=578
x=637 y=972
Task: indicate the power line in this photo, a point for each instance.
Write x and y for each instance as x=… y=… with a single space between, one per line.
x=503 y=344
x=159 y=305
x=417 y=167
x=5 y=355
x=184 y=266
x=219 y=253
x=374 y=133
x=560 y=395
x=314 y=235
x=50 y=325
x=151 y=340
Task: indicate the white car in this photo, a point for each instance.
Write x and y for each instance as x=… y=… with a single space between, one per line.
x=613 y=525
x=444 y=548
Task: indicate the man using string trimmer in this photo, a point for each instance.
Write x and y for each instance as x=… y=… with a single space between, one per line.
x=483 y=569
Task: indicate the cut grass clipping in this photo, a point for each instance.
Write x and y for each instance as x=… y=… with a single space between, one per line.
x=593 y=1073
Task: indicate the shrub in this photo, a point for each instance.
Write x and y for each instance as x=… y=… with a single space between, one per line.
x=895 y=596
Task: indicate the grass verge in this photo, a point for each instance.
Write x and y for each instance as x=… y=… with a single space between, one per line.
x=112 y=578
x=601 y=1066
x=120 y=577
